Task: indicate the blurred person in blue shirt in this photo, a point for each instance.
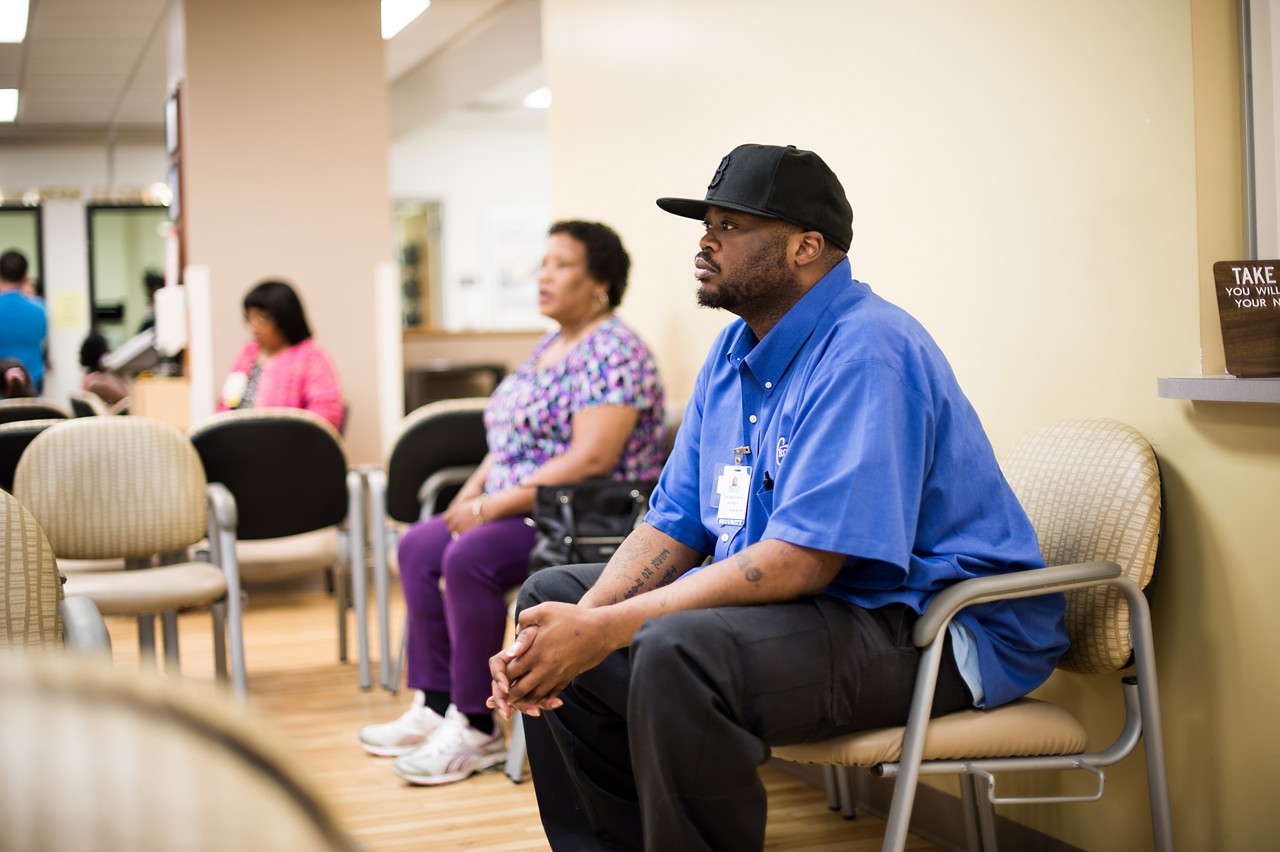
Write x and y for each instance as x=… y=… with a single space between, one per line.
x=23 y=324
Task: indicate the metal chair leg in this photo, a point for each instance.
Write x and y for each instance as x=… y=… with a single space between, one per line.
x=516 y=750
x=359 y=578
x=147 y=639
x=218 y=610
x=169 y=626
x=830 y=783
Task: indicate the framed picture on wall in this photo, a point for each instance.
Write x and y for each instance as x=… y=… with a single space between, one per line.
x=171 y=116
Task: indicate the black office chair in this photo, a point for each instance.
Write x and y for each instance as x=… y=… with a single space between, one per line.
x=31 y=409
x=287 y=470
x=88 y=404
x=439 y=446
x=14 y=438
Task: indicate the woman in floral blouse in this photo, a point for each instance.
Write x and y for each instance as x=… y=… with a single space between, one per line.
x=588 y=403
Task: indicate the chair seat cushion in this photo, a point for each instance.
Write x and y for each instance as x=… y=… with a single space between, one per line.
x=149 y=589
x=270 y=559
x=69 y=566
x=1021 y=728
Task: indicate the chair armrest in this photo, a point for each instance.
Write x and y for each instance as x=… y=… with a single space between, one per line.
x=83 y=629
x=223 y=506
x=440 y=480
x=1018 y=584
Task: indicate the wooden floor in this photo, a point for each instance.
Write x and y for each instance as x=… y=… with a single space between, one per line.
x=314 y=705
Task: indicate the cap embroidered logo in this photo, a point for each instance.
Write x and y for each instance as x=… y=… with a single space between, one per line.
x=715 y=178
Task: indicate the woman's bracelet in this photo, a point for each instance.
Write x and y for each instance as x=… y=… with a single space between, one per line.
x=477 y=506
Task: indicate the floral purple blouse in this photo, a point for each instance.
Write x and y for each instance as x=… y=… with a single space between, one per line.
x=528 y=420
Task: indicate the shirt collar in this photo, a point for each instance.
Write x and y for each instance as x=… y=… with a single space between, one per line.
x=769 y=358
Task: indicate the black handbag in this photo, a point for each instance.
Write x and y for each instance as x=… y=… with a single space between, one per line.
x=585 y=521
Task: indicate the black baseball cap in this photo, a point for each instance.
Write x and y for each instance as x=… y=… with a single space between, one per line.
x=788 y=183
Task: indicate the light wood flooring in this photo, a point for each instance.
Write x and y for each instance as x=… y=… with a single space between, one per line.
x=314 y=705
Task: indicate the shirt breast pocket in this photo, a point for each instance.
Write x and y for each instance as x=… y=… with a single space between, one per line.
x=764 y=498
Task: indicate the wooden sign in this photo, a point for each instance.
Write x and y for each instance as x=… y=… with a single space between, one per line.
x=1249 y=311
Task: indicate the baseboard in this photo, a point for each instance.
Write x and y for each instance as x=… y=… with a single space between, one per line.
x=936 y=816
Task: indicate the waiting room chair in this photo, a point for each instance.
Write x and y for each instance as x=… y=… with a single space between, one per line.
x=34 y=614
x=98 y=759
x=31 y=409
x=287 y=470
x=438 y=446
x=14 y=438
x=1092 y=491
x=88 y=404
x=132 y=488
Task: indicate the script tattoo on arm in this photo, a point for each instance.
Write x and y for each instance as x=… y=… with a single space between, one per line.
x=650 y=571
x=749 y=569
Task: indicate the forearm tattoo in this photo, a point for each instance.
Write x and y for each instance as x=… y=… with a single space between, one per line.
x=650 y=571
x=749 y=569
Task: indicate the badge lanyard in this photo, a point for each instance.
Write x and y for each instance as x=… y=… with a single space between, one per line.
x=733 y=487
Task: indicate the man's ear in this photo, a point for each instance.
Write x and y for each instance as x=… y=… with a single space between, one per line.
x=808 y=247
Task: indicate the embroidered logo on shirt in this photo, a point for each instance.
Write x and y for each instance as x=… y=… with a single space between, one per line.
x=782 y=450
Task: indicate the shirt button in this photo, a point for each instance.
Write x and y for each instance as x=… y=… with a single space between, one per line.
x=724 y=536
x=768 y=384
x=752 y=418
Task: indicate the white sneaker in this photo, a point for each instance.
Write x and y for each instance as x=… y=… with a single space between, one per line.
x=454 y=751
x=405 y=734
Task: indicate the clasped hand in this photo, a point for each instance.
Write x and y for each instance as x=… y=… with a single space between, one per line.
x=555 y=642
x=459 y=518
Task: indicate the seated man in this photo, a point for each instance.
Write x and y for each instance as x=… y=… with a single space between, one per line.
x=831 y=466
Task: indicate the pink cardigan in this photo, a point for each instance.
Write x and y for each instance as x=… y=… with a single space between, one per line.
x=298 y=377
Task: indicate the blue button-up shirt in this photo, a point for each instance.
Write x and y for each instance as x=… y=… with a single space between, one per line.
x=859 y=441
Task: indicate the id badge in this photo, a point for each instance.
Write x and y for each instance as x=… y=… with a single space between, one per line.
x=733 y=487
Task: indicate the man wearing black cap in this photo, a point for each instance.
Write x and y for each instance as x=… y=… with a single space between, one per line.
x=837 y=477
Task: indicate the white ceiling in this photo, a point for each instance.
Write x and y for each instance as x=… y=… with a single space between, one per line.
x=98 y=69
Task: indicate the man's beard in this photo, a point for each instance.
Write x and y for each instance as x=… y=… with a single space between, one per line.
x=761 y=280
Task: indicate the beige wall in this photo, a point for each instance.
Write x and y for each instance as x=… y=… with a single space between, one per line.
x=1045 y=186
x=285 y=151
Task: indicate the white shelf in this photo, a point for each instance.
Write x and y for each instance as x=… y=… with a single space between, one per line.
x=1219 y=388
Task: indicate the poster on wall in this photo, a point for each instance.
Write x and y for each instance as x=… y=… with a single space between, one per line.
x=517 y=237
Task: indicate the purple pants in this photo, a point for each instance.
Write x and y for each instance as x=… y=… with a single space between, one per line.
x=452 y=636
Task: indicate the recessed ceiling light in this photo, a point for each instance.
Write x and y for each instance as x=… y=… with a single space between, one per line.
x=397 y=14
x=538 y=98
x=13 y=21
x=8 y=104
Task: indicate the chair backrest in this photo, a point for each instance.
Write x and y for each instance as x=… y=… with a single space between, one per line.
x=93 y=757
x=30 y=409
x=30 y=587
x=1092 y=490
x=113 y=487
x=88 y=404
x=287 y=469
x=448 y=433
x=14 y=438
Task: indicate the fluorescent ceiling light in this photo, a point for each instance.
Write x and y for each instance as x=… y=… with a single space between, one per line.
x=13 y=21
x=538 y=98
x=397 y=14
x=8 y=104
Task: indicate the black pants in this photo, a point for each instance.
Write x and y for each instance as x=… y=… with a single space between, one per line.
x=659 y=746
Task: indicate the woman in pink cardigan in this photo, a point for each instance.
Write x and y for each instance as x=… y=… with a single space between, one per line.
x=282 y=366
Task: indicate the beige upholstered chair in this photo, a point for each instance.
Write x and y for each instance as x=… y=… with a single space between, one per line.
x=33 y=611
x=1092 y=491
x=287 y=471
x=132 y=488
x=437 y=447
x=98 y=759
